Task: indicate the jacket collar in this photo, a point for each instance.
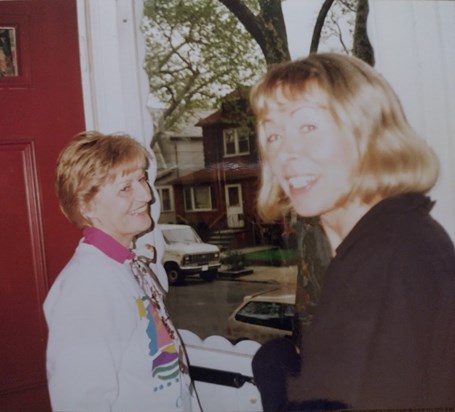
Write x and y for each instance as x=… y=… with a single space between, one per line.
x=107 y=244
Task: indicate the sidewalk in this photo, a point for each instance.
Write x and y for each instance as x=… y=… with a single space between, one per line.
x=286 y=275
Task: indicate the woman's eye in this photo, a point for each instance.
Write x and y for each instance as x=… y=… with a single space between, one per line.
x=125 y=188
x=273 y=138
x=306 y=128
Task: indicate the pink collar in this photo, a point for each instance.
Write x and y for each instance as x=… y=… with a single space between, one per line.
x=107 y=244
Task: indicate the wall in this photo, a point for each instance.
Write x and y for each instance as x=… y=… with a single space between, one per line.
x=186 y=153
x=115 y=86
x=413 y=42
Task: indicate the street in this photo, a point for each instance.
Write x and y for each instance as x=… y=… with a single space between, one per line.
x=203 y=307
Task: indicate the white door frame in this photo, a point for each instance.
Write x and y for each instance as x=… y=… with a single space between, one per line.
x=114 y=83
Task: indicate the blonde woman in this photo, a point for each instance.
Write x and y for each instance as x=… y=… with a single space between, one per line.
x=335 y=144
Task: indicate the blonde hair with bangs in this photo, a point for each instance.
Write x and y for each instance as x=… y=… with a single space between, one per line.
x=89 y=161
x=393 y=159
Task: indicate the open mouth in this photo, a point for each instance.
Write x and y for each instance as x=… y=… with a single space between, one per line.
x=301 y=182
x=139 y=211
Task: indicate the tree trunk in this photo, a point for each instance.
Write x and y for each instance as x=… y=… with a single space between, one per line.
x=267 y=28
x=314 y=257
x=274 y=30
x=362 y=47
x=319 y=25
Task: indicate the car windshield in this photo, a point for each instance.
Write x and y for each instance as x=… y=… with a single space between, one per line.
x=270 y=314
x=181 y=235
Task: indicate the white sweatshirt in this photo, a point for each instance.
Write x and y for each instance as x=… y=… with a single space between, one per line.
x=106 y=350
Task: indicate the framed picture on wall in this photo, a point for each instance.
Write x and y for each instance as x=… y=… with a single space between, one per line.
x=14 y=52
x=8 y=52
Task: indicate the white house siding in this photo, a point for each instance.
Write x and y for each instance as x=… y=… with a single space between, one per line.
x=184 y=154
x=413 y=42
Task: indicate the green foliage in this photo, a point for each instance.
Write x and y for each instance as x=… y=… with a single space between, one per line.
x=197 y=51
x=272 y=257
x=200 y=50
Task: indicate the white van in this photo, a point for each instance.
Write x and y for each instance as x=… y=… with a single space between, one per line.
x=186 y=254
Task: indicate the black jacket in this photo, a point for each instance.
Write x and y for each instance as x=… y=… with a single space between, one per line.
x=383 y=334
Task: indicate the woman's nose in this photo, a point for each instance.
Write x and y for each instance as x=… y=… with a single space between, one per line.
x=143 y=192
x=291 y=146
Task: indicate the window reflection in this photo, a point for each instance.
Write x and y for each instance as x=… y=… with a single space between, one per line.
x=236 y=141
x=166 y=198
x=198 y=198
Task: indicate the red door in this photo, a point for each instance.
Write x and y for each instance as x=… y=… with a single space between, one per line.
x=41 y=108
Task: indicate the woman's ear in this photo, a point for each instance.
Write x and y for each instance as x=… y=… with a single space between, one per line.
x=87 y=211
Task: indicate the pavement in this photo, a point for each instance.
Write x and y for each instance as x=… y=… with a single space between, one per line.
x=283 y=275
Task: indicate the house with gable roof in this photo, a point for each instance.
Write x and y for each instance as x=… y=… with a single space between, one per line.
x=219 y=199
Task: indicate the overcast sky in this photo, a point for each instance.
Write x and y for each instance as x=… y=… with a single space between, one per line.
x=300 y=16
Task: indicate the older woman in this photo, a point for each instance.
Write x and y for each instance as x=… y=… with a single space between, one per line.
x=336 y=144
x=112 y=346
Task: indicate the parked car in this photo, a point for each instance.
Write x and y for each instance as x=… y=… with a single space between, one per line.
x=263 y=316
x=185 y=254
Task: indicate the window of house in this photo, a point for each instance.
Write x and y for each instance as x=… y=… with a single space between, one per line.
x=198 y=198
x=166 y=198
x=236 y=141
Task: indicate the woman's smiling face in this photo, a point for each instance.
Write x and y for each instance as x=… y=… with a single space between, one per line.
x=121 y=208
x=312 y=159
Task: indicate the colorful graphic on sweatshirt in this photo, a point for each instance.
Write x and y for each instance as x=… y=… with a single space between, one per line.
x=165 y=366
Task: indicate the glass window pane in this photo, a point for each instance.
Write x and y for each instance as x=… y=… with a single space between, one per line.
x=229 y=141
x=166 y=204
x=202 y=197
x=233 y=196
x=244 y=144
x=188 y=200
x=184 y=234
x=230 y=148
x=269 y=314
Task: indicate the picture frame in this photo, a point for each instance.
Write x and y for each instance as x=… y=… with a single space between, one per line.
x=15 y=71
x=8 y=52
